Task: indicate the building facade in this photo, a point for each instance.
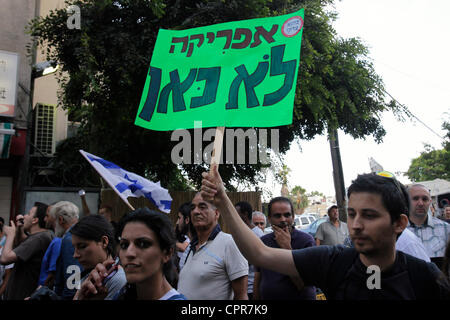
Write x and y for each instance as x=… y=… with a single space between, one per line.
x=31 y=123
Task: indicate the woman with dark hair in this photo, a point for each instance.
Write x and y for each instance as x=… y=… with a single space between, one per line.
x=93 y=242
x=146 y=247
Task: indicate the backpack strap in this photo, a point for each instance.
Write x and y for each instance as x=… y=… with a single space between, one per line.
x=422 y=280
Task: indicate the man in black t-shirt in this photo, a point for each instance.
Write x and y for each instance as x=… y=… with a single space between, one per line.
x=378 y=209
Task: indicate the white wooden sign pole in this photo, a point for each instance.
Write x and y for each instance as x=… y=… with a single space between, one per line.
x=217 y=149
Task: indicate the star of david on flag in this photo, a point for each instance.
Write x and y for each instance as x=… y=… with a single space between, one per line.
x=128 y=184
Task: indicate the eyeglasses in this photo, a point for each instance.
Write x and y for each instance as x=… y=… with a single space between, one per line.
x=258 y=223
x=278 y=215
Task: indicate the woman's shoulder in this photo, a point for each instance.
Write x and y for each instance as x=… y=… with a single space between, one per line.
x=173 y=294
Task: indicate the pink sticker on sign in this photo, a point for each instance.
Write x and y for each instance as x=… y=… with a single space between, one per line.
x=292 y=26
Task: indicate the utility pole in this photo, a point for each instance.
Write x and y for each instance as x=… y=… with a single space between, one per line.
x=338 y=174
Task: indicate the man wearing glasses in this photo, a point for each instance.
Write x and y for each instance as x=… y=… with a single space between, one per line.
x=271 y=285
x=433 y=232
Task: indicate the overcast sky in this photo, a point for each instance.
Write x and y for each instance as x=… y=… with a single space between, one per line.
x=409 y=44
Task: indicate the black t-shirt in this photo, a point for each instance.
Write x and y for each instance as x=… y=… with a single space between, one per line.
x=342 y=275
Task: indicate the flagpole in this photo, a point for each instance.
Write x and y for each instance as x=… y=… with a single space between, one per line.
x=217 y=148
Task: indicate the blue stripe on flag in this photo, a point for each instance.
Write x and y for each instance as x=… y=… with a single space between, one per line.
x=121 y=187
x=105 y=163
x=134 y=186
x=148 y=195
x=129 y=179
x=166 y=203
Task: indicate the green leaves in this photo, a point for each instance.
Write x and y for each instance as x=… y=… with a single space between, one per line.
x=107 y=61
x=432 y=164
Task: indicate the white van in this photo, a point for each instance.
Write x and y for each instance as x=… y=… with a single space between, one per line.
x=302 y=221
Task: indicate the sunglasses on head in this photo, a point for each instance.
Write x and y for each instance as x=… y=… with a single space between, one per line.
x=391 y=176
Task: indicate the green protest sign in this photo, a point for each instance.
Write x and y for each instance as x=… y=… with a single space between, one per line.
x=235 y=74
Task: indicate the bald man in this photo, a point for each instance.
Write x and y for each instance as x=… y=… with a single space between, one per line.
x=433 y=232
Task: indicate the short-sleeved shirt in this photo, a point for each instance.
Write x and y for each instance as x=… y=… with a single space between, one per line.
x=25 y=274
x=330 y=235
x=66 y=266
x=49 y=261
x=277 y=286
x=208 y=271
x=318 y=266
x=434 y=234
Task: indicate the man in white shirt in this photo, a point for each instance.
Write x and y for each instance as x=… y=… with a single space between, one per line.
x=214 y=267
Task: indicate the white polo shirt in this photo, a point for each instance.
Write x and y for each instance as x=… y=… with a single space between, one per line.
x=207 y=273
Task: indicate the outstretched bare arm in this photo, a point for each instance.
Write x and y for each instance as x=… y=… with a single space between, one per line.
x=254 y=250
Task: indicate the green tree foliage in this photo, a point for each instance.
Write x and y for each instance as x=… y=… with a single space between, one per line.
x=432 y=164
x=315 y=193
x=282 y=175
x=299 y=198
x=105 y=63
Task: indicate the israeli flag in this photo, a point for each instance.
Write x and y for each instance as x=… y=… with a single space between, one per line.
x=128 y=184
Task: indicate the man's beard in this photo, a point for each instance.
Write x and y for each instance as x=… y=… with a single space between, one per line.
x=180 y=234
x=59 y=231
x=284 y=224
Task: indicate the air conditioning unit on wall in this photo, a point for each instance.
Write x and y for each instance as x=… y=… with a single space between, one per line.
x=44 y=130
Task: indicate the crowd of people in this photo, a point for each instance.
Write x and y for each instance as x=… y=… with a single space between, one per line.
x=52 y=254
